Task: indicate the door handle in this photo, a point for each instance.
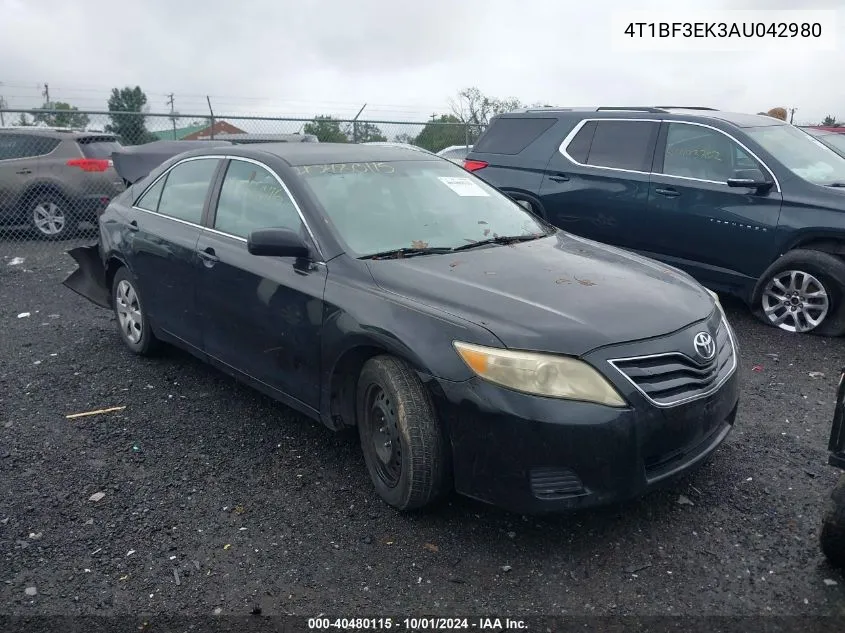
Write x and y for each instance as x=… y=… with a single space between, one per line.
x=559 y=177
x=208 y=257
x=669 y=193
x=24 y=172
x=133 y=225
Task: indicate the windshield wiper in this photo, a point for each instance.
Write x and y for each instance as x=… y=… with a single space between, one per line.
x=501 y=239
x=401 y=253
x=836 y=184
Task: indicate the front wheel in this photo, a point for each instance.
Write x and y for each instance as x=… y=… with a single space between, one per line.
x=401 y=438
x=803 y=292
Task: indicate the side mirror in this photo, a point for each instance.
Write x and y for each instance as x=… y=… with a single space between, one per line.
x=750 y=179
x=277 y=243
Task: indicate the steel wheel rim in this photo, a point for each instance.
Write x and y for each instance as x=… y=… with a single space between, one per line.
x=795 y=301
x=129 y=312
x=382 y=435
x=48 y=218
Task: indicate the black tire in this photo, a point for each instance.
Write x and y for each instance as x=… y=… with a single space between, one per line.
x=827 y=269
x=833 y=527
x=146 y=344
x=50 y=216
x=394 y=408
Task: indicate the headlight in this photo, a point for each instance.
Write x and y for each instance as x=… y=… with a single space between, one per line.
x=539 y=374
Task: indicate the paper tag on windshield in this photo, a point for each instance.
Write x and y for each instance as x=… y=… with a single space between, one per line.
x=463 y=186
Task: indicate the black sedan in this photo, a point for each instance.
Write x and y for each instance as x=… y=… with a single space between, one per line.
x=475 y=347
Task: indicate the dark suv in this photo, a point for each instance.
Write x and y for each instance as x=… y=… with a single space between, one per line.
x=51 y=179
x=747 y=204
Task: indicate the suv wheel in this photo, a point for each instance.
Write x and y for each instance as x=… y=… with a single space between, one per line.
x=802 y=292
x=50 y=216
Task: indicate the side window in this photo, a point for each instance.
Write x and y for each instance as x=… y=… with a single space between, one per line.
x=579 y=147
x=183 y=195
x=10 y=146
x=25 y=146
x=698 y=152
x=623 y=145
x=251 y=198
x=149 y=199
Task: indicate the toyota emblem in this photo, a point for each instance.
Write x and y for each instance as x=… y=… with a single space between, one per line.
x=704 y=345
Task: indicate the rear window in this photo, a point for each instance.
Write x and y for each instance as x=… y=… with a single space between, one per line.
x=98 y=147
x=625 y=145
x=511 y=135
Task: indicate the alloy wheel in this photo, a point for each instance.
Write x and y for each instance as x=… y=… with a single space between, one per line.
x=49 y=218
x=795 y=301
x=129 y=312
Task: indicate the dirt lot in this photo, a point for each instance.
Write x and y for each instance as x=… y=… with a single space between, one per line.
x=218 y=500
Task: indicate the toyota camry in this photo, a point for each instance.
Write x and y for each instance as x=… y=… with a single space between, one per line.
x=475 y=347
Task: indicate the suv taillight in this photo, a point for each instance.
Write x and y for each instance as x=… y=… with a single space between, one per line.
x=474 y=165
x=90 y=164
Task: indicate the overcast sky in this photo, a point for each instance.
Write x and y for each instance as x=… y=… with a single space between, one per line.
x=404 y=59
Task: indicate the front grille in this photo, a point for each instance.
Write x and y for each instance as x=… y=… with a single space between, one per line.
x=674 y=378
x=550 y=484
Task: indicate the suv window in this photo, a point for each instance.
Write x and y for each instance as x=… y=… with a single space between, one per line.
x=25 y=145
x=512 y=135
x=98 y=146
x=185 y=190
x=251 y=198
x=693 y=151
x=617 y=144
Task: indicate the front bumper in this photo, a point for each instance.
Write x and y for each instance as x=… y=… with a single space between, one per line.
x=532 y=454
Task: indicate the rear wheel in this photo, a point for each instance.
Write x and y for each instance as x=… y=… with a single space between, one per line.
x=50 y=216
x=804 y=292
x=400 y=435
x=132 y=321
x=833 y=527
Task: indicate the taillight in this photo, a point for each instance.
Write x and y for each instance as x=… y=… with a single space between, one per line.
x=474 y=165
x=90 y=164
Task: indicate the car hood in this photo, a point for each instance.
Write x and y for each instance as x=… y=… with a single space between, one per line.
x=560 y=294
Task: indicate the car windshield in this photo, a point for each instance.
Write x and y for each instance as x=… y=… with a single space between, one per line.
x=801 y=153
x=414 y=204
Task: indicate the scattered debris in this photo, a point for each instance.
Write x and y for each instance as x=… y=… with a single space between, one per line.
x=96 y=412
x=217 y=611
x=16 y=261
x=757 y=368
x=511 y=534
x=256 y=610
x=506 y=568
x=810 y=473
x=227 y=546
x=35 y=536
x=97 y=496
x=130 y=552
x=816 y=374
x=89 y=521
x=830 y=582
x=431 y=547
x=239 y=510
x=585 y=282
x=124 y=577
x=31 y=591
x=638 y=568
x=24 y=315
x=774 y=357
x=176 y=576
x=563 y=280
x=453 y=264
x=683 y=500
x=419 y=244
x=97 y=551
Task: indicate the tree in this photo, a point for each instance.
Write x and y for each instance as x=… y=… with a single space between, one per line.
x=327 y=129
x=127 y=105
x=23 y=121
x=830 y=121
x=363 y=132
x=441 y=133
x=778 y=113
x=406 y=138
x=476 y=109
x=67 y=115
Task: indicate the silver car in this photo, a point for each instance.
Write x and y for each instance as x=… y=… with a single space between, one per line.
x=51 y=179
x=455 y=153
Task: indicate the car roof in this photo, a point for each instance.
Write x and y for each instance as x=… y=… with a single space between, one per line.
x=296 y=154
x=680 y=113
x=54 y=132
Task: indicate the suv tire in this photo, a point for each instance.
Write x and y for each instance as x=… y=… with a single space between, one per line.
x=803 y=292
x=50 y=216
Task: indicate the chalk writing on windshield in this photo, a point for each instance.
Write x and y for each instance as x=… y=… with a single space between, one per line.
x=345 y=168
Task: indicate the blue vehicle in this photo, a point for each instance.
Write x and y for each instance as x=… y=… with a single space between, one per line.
x=747 y=204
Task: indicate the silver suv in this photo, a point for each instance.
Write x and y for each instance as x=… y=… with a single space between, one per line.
x=52 y=179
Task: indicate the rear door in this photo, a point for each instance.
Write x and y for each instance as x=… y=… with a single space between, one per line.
x=261 y=316
x=164 y=230
x=717 y=233
x=19 y=155
x=596 y=185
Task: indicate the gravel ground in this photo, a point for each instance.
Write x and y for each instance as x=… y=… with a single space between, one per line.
x=218 y=500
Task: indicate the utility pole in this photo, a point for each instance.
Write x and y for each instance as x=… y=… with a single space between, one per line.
x=171 y=100
x=791 y=114
x=2 y=107
x=46 y=94
x=355 y=124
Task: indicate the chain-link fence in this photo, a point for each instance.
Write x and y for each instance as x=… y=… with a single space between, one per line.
x=56 y=174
